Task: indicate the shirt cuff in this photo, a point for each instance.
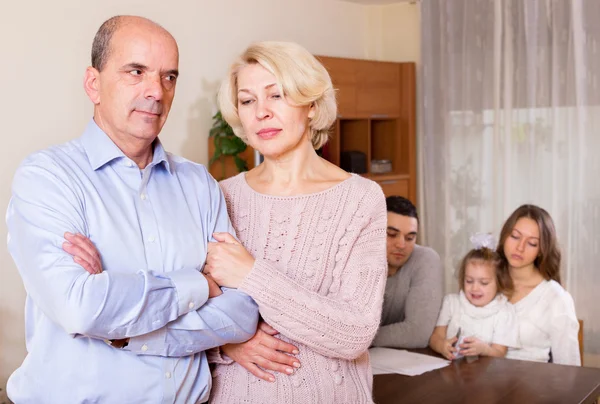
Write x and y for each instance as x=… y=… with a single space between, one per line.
x=192 y=289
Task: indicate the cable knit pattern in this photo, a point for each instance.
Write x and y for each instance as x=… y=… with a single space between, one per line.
x=319 y=279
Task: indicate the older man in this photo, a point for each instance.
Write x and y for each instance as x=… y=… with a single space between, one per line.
x=413 y=292
x=136 y=330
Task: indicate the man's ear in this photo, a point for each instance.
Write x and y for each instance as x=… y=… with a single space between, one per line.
x=91 y=84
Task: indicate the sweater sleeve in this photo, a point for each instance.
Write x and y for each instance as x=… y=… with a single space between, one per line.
x=564 y=344
x=342 y=322
x=421 y=309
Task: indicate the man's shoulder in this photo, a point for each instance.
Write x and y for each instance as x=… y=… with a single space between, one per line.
x=184 y=166
x=55 y=158
x=425 y=254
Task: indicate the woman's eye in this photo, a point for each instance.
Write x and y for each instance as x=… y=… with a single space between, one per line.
x=245 y=102
x=514 y=236
x=533 y=245
x=276 y=96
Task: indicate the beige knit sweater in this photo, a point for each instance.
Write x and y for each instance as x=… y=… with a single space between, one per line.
x=318 y=279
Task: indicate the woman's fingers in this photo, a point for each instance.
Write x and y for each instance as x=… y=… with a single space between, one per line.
x=225 y=238
x=274 y=366
x=267 y=328
x=258 y=372
x=277 y=344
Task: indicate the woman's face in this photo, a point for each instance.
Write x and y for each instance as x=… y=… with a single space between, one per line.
x=272 y=125
x=522 y=245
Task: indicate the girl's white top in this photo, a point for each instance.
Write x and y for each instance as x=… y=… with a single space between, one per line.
x=547 y=323
x=495 y=323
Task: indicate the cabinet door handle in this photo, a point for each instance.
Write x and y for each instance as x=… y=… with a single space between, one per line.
x=379 y=116
x=388 y=182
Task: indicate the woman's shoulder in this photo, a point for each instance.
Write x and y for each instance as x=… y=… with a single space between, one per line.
x=232 y=182
x=558 y=297
x=555 y=291
x=366 y=189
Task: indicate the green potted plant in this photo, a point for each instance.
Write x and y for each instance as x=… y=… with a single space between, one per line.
x=226 y=144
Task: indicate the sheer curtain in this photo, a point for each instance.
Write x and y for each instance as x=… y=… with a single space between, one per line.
x=510 y=114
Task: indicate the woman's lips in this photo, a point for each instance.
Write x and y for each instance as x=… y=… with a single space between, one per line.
x=268 y=133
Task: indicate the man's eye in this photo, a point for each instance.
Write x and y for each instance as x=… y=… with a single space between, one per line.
x=135 y=72
x=171 y=77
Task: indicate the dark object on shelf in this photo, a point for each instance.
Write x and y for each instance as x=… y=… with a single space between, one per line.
x=354 y=162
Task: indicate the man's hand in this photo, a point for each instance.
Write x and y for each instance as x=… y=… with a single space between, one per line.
x=84 y=252
x=264 y=351
x=213 y=289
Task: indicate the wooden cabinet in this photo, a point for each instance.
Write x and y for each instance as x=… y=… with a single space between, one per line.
x=376 y=117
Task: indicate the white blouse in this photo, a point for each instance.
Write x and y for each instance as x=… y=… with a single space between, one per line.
x=547 y=323
x=495 y=323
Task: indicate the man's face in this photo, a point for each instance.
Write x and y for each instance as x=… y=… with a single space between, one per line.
x=401 y=237
x=135 y=88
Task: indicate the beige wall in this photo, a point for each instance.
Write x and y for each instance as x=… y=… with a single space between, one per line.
x=45 y=49
x=394 y=32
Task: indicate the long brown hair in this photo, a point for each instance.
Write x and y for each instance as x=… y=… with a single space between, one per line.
x=485 y=255
x=548 y=259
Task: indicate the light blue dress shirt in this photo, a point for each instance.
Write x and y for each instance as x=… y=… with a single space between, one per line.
x=151 y=228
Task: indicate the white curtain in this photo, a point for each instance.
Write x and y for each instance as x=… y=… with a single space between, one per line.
x=510 y=114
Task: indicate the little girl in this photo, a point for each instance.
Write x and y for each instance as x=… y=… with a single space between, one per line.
x=479 y=320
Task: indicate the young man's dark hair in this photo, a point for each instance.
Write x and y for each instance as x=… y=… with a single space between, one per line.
x=401 y=206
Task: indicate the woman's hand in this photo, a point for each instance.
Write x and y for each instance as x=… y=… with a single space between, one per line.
x=84 y=252
x=472 y=346
x=264 y=351
x=227 y=261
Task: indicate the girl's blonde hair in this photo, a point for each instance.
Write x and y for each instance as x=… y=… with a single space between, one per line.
x=301 y=78
x=488 y=256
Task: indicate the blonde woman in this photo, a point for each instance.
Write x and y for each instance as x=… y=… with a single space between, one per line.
x=311 y=248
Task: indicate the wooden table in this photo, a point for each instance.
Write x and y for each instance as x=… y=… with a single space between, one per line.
x=489 y=381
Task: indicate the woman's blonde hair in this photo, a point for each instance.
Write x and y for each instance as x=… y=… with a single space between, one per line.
x=301 y=78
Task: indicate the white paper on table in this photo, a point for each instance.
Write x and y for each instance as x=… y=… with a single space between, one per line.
x=387 y=360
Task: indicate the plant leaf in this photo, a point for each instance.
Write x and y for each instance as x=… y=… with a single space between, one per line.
x=240 y=164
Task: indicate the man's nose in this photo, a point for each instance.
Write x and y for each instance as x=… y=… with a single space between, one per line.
x=154 y=88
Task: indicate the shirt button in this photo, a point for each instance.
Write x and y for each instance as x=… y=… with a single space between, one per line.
x=296 y=383
x=143 y=196
x=151 y=239
x=191 y=305
x=168 y=375
x=129 y=164
x=334 y=366
x=144 y=348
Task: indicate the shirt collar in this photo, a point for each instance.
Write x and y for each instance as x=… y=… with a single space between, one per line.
x=100 y=149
